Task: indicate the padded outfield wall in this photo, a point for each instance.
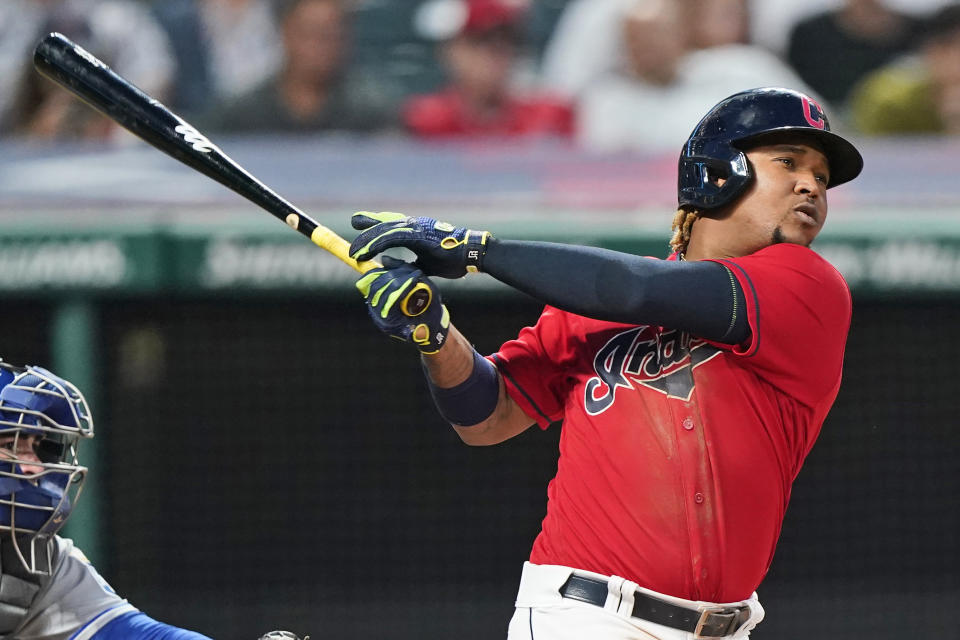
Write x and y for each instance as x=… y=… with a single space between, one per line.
x=265 y=459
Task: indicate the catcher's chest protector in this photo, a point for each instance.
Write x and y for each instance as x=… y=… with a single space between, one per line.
x=18 y=587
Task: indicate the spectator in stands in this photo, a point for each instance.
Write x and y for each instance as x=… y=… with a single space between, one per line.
x=120 y=32
x=316 y=89
x=222 y=47
x=588 y=40
x=586 y=44
x=714 y=23
x=479 y=43
x=43 y=111
x=919 y=93
x=675 y=63
x=833 y=50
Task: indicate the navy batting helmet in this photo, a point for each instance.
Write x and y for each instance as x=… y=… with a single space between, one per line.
x=716 y=147
x=42 y=419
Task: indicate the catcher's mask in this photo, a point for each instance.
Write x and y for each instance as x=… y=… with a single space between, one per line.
x=716 y=147
x=34 y=504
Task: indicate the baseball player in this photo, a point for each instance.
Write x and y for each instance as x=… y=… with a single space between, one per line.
x=690 y=389
x=48 y=588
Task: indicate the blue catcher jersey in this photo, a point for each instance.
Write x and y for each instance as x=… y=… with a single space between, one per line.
x=76 y=603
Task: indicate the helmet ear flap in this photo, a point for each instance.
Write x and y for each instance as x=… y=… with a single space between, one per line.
x=708 y=182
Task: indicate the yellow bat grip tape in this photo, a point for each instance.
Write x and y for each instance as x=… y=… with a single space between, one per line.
x=413 y=304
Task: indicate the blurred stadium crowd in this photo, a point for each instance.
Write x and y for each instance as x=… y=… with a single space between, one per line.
x=609 y=75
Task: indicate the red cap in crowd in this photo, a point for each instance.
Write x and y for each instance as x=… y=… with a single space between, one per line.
x=484 y=15
x=445 y=19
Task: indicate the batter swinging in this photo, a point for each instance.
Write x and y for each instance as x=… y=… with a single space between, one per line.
x=690 y=389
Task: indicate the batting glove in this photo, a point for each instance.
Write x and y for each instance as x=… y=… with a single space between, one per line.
x=442 y=249
x=385 y=288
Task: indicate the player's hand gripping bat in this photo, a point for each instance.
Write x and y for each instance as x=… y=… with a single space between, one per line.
x=76 y=69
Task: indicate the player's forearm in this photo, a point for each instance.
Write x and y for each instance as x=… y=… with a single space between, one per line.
x=452 y=364
x=699 y=297
x=470 y=394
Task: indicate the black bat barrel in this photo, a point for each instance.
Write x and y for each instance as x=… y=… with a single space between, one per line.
x=76 y=69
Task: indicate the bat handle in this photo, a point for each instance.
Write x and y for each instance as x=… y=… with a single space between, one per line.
x=417 y=301
x=413 y=304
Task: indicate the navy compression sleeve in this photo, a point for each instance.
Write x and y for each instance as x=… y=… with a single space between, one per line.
x=700 y=297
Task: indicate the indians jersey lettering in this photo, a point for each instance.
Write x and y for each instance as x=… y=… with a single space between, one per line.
x=661 y=361
x=677 y=454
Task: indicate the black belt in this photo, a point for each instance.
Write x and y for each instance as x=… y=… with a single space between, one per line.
x=706 y=622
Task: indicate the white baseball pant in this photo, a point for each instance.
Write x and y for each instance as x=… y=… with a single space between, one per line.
x=543 y=614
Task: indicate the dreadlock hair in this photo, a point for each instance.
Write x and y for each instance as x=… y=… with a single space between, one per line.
x=682 y=224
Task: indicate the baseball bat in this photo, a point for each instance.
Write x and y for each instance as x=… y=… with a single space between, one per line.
x=87 y=77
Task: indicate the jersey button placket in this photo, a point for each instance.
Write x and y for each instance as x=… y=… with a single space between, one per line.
x=688 y=423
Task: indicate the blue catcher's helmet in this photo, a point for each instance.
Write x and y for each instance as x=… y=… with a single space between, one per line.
x=39 y=484
x=716 y=146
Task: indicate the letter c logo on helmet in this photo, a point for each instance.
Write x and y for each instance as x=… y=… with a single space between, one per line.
x=716 y=147
x=813 y=112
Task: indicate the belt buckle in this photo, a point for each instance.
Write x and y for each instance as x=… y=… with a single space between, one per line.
x=726 y=625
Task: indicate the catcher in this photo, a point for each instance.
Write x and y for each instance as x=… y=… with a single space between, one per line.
x=48 y=588
x=690 y=389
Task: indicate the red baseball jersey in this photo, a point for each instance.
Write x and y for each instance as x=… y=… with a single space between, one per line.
x=677 y=455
